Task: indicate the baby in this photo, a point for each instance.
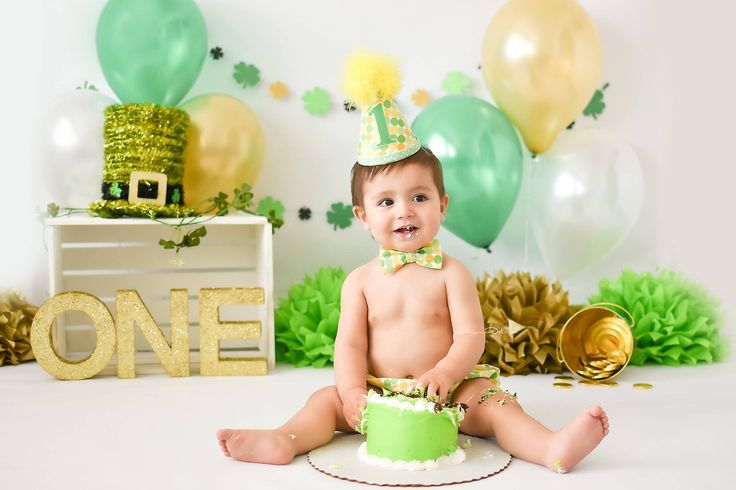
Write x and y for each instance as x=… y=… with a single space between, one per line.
x=421 y=321
x=412 y=313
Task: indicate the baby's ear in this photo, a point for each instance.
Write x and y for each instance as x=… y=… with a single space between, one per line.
x=443 y=206
x=359 y=213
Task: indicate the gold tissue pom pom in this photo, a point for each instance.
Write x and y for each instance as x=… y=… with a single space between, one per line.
x=16 y=317
x=523 y=317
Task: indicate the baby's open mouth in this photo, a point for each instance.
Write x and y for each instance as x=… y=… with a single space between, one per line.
x=407 y=231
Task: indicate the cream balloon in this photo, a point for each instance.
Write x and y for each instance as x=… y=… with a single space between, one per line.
x=225 y=147
x=586 y=195
x=541 y=60
x=73 y=148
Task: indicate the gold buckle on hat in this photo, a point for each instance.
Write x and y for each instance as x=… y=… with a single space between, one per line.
x=137 y=177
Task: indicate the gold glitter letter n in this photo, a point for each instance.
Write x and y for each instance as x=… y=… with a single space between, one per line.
x=131 y=310
x=212 y=330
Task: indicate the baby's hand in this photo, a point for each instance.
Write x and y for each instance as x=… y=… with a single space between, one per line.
x=352 y=403
x=437 y=381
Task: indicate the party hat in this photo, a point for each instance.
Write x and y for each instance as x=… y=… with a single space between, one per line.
x=370 y=82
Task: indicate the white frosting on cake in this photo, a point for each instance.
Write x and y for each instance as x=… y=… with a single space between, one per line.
x=409 y=404
x=451 y=459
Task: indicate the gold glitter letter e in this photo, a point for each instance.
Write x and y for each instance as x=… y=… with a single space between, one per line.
x=212 y=330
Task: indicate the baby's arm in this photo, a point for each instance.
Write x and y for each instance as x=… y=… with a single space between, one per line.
x=468 y=338
x=351 y=348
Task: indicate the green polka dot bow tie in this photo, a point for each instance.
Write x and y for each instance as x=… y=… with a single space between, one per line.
x=429 y=256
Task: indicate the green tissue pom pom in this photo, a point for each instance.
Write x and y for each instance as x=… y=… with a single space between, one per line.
x=306 y=320
x=677 y=322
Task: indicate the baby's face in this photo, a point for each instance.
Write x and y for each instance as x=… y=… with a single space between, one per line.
x=402 y=209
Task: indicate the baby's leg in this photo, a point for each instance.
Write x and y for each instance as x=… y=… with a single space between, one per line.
x=522 y=436
x=311 y=427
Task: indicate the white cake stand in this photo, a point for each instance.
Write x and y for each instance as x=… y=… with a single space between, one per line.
x=339 y=459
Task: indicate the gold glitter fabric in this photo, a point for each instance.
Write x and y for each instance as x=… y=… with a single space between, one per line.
x=212 y=330
x=16 y=317
x=523 y=316
x=131 y=311
x=143 y=138
x=41 y=338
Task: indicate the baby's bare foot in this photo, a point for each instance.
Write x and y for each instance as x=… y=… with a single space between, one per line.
x=256 y=446
x=577 y=439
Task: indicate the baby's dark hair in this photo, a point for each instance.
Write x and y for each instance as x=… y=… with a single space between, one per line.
x=424 y=157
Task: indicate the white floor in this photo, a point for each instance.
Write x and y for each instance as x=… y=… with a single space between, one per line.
x=158 y=432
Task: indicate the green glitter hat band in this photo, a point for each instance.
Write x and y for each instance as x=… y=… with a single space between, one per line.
x=143 y=143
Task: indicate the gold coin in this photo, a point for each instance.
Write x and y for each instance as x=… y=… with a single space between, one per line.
x=609 y=383
x=587 y=382
x=618 y=356
x=564 y=377
x=643 y=386
x=562 y=385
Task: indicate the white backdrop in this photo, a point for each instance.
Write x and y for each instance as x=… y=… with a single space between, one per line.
x=669 y=66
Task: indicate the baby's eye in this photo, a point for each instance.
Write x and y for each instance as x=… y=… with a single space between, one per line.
x=419 y=198
x=385 y=202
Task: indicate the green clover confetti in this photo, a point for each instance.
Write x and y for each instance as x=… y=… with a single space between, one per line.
x=246 y=75
x=316 y=101
x=596 y=105
x=340 y=215
x=456 y=82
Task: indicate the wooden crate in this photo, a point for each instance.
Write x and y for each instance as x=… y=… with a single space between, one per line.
x=100 y=256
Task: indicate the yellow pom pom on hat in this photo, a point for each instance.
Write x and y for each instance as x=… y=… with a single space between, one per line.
x=370 y=82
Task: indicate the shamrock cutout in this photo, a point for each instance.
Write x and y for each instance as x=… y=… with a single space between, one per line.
x=278 y=90
x=267 y=205
x=316 y=101
x=456 y=82
x=348 y=106
x=305 y=213
x=340 y=215
x=420 y=97
x=116 y=190
x=175 y=195
x=216 y=53
x=246 y=75
x=596 y=105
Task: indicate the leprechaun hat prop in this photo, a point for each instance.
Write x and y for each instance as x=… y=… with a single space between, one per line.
x=370 y=82
x=144 y=162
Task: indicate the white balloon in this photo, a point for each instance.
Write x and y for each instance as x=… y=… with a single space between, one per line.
x=73 y=147
x=587 y=192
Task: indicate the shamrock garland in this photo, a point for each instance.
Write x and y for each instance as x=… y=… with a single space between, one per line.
x=340 y=215
x=316 y=101
x=456 y=82
x=246 y=75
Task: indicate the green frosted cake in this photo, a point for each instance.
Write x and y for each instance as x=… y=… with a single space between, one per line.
x=410 y=433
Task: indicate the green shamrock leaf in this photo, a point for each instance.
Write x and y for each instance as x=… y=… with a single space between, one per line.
x=316 y=101
x=456 y=82
x=116 y=190
x=596 y=105
x=246 y=75
x=268 y=206
x=175 y=195
x=340 y=215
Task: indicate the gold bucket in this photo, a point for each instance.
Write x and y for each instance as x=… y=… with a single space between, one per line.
x=596 y=343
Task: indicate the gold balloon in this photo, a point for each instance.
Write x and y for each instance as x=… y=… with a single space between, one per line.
x=225 y=147
x=541 y=60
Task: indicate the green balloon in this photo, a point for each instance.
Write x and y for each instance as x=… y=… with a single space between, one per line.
x=481 y=161
x=151 y=50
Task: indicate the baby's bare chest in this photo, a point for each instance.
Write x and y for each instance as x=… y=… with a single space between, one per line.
x=412 y=294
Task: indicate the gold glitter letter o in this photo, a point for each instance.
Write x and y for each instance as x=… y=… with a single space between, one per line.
x=41 y=335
